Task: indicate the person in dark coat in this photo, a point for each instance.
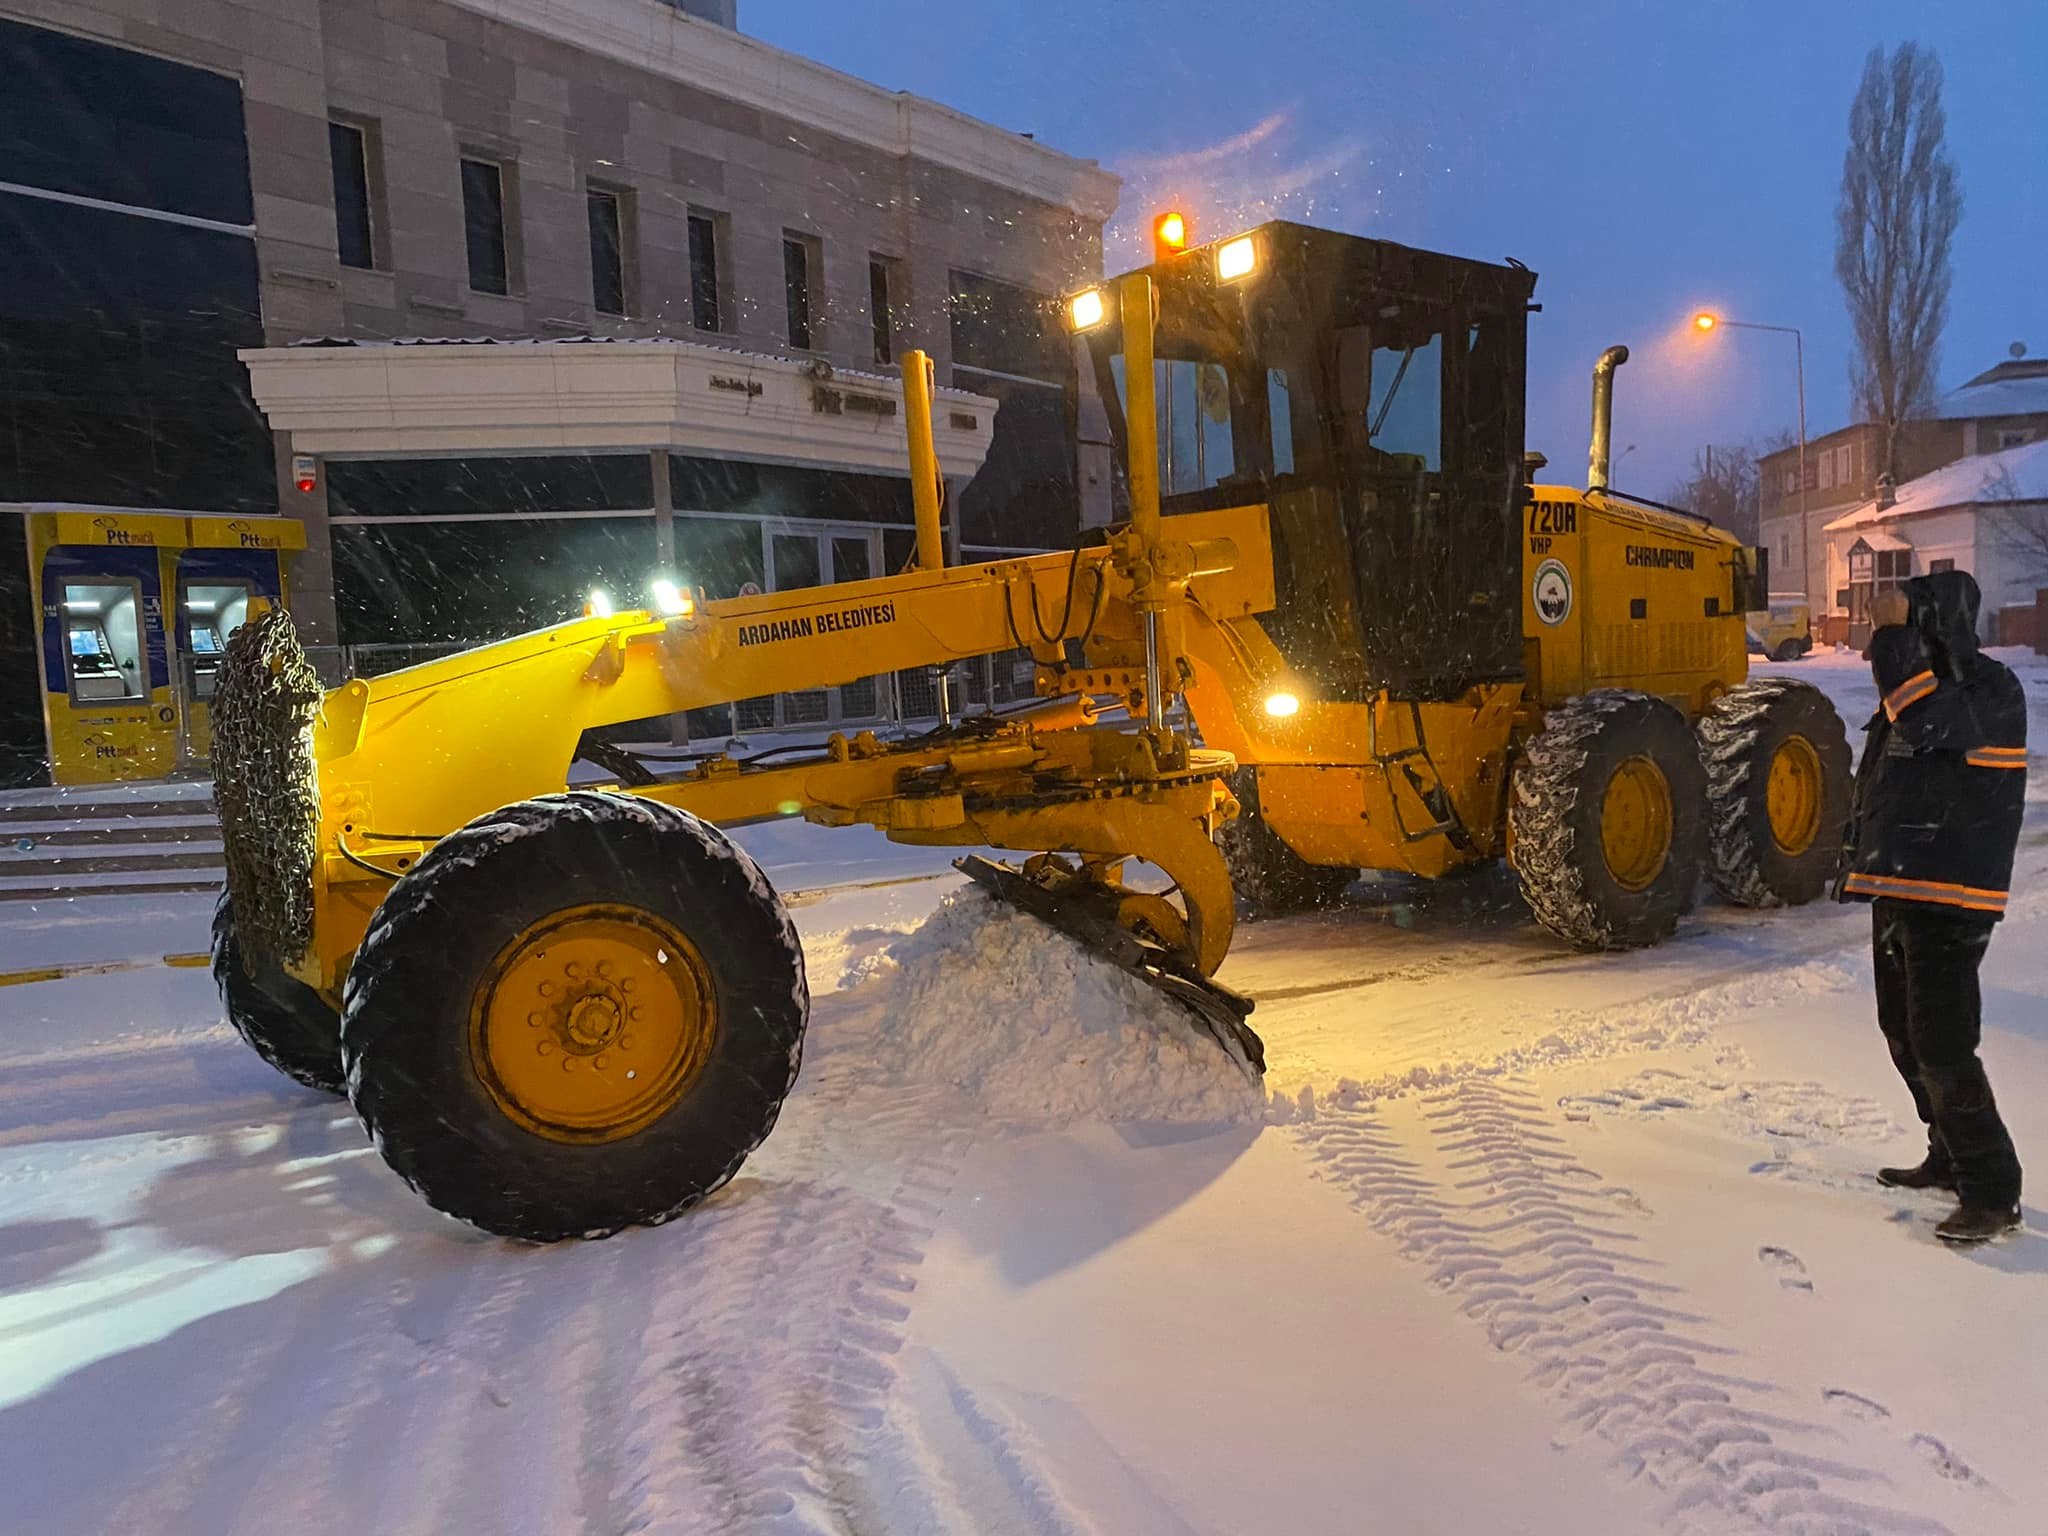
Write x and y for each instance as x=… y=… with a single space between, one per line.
x=1939 y=796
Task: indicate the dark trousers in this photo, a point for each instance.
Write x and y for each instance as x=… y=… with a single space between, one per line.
x=1931 y=1012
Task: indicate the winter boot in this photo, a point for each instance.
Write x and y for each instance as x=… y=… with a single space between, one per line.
x=1978 y=1223
x=1933 y=1173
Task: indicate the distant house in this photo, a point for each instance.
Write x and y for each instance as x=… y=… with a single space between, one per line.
x=2003 y=407
x=1986 y=514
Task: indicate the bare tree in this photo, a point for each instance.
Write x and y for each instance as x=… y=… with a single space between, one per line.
x=1724 y=485
x=2018 y=524
x=1900 y=205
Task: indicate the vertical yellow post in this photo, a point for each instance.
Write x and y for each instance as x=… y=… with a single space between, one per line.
x=1141 y=418
x=919 y=380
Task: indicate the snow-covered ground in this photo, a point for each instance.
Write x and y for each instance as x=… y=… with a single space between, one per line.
x=1522 y=1241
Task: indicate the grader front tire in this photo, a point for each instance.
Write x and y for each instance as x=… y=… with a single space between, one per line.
x=280 y=1018
x=1269 y=878
x=576 y=1014
x=1778 y=792
x=1605 y=820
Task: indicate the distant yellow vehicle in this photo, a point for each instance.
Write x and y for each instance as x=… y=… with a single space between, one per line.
x=1783 y=631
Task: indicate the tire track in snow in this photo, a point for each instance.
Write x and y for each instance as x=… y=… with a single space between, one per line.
x=1512 y=1236
x=768 y=1360
x=430 y=1480
x=177 y=1481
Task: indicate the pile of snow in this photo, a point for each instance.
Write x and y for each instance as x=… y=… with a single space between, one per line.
x=993 y=1002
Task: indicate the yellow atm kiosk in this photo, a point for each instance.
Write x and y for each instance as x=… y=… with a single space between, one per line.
x=135 y=608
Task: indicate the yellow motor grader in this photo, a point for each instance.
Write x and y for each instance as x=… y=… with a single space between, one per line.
x=1337 y=629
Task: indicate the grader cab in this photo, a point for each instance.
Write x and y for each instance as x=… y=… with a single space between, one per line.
x=1457 y=663
x=1334 y=602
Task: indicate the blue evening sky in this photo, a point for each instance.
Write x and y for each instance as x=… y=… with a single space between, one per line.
x=1645 y=158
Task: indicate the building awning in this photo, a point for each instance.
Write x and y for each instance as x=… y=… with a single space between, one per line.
x=1878 y=542
x=444 y=398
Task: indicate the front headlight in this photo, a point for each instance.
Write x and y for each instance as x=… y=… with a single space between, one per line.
x=671 y=601
x=1236 y=258
x=1087 y=309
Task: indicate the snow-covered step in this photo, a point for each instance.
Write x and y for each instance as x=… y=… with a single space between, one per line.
x=141 y=838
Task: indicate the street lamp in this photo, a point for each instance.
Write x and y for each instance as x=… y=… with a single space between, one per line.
x=1706 y=320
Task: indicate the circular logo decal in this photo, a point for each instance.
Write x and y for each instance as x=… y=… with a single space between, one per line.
x=1552 y=590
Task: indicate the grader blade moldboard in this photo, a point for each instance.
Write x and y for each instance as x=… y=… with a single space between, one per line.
x=1085 y=912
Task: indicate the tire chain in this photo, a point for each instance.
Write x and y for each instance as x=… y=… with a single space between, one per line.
x=1727 y=736
x=1546 y=787
x=267 y=788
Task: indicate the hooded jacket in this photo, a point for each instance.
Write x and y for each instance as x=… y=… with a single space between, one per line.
x=1942 y=784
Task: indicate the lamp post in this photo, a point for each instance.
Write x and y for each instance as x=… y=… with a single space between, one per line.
x=1707 y=320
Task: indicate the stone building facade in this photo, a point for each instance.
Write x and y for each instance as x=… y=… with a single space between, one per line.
x=188 y=179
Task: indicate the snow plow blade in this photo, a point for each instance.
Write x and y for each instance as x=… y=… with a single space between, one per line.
x=1086 y=911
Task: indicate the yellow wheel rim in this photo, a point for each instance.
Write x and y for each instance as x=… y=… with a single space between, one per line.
x=1793 y=794
x=1635 y=823
x=591 y=1024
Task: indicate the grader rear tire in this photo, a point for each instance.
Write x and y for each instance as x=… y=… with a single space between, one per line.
x=1269 y=878
x=1778 y=792
x=280 y=1018
x=576 y=1014
x=1604 y=820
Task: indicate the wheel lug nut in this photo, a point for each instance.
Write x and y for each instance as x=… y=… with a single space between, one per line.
x=628 y=984
x=546 y=989
x=535 y=1020
x=545 y=1049
x=625 y=1042
x=572 y=970
x=568 y=1063
x=602 y=1063
x=604 y=967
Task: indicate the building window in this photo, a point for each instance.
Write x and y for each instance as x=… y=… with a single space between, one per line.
x=1784 y=550
x=608 y=244
x=1791 y=481
x=1872 y=573
x=483 y=220
x=1845 y=473
x=881 y=307
x=1936 y=567
x=704 y=286
x=348 y=148
x=1827 y=470
x=1008 y=343
x=2014 y=439
x=125 y=298
x=800 y=263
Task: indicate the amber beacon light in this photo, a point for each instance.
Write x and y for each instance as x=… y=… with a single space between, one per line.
x=1169 y=234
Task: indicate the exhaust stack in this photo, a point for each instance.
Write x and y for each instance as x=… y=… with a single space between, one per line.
x=1599 y=465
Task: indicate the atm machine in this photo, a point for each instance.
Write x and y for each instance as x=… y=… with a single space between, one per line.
x=126 y=694
x=110 y=708
x=227 y=562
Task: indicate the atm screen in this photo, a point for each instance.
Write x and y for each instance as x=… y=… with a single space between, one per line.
x=91 y=656
x=205 y=642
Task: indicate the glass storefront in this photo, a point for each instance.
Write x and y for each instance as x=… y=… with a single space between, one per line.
x=119 y=320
